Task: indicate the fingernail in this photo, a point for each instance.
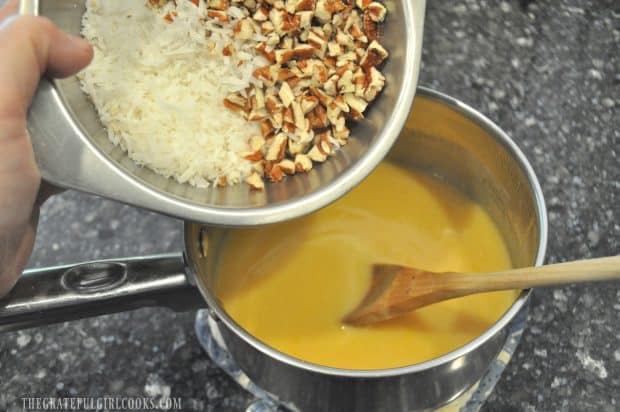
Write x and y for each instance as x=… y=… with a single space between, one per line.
x=79 y=42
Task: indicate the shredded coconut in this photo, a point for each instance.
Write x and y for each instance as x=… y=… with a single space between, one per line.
x=158 y=86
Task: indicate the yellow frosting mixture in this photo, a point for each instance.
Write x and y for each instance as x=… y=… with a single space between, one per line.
x=290 y=284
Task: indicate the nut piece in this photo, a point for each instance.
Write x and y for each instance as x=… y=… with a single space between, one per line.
x=275 y=174
x=356 y=103
x=376 y=11
x=255 y=181
x=308 y=103
x=219 y=15
x=286 y=94
x=287 y=166
x=323 y=11
x=244 y=29
x=217 y=4
x=235 y=102
x=253 y=156
x=303 y=163
x=261 y=14
x=375 y=84
x=277 y=148
x=317 y=155
x=374 y=56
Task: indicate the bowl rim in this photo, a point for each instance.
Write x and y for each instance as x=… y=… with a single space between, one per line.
x=536 y=191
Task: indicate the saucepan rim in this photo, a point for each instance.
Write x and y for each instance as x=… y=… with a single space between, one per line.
x=501 y=323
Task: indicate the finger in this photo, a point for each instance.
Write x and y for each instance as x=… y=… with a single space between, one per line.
x=29 y=47
x=9 y=9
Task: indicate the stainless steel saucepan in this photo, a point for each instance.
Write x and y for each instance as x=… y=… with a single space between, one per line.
x=73 y=151
x=442 y=136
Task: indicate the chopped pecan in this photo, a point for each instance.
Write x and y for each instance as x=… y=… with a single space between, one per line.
x=227 y=50
x=266 y=128
x=371 y=27
x=341 y=103
x=275 y=174
x=318 y=118
x=298 y=115
x=331 y=86
x=319 y=44
x=296 y=147
x=374 y=56
x=345 y=40
x=287 y=166
x=324 y=10
x=286 y=94
x=342 y=135
x=376 y=11
x=283 y=22
x=334 y=49
x=235 y=102
x=308 y=103
x=257 y=115
x=306 y=5
x=277 y=148
x=358 y=34
x=258 y=98
x=169 y=17
x=288 y=115
x=316 y=155
x=263 y=73
x=253 y=156
x=333 y=113
x=359 y=79
x=261 y=14
x=222 y=181
x=323 y=98
x=219 y=15
x=291 y=5
x=255 y=181
x=288 y=127
x=345 y=83
x=305 y=18
x=356 y=103
x=376 y=81
x=218 y=4
x=261 y=48
x=303 y=163
x=266 y=28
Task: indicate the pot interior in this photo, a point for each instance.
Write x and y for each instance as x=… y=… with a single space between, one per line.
x=449 y=140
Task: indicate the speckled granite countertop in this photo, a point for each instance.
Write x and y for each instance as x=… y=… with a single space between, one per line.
x=548 y=73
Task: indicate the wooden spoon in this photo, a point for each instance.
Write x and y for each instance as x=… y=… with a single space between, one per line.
x=396 y=290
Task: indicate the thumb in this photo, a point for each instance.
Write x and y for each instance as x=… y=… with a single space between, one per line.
x=29 y=47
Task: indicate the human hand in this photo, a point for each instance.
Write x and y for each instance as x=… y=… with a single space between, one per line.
x=29 y=47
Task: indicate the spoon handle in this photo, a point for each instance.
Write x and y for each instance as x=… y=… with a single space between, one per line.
x=591 y=270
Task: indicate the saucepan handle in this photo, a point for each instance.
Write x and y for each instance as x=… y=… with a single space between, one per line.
x=29 y=7
x=58 y=294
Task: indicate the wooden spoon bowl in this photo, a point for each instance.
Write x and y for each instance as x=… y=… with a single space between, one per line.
x=396 y=290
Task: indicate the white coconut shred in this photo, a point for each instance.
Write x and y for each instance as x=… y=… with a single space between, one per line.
x=158 y=86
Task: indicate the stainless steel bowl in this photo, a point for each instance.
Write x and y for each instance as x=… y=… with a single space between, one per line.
x=442 y=136
x=73 y=150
